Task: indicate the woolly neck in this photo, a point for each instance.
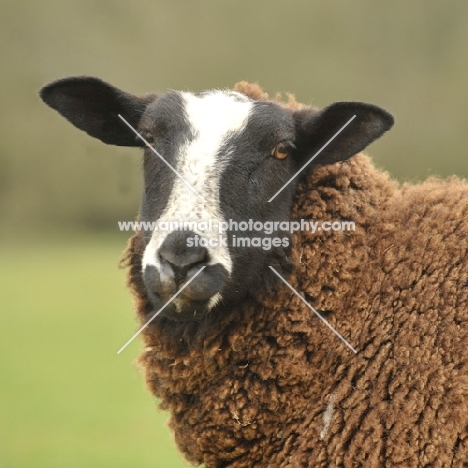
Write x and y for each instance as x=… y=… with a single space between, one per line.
x=233 y=379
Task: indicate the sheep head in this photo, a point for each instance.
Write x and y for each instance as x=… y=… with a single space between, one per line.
x=217 y=165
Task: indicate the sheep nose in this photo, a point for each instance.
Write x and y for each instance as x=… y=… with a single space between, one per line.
x=177 y=258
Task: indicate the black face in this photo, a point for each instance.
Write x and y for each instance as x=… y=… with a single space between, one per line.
x=238 y=174
x=263 y=161
x=251 y=166
x=164 y=126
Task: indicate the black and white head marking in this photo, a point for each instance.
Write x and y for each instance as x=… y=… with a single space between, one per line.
x=236 y=153
x=212 y=119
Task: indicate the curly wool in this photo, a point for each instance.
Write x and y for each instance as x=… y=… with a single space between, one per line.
x=266 y=384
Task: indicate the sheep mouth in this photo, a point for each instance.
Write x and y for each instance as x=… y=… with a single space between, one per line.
x=179 y=309
x=184 y=295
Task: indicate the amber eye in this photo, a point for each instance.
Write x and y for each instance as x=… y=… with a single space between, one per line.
x=282 y=150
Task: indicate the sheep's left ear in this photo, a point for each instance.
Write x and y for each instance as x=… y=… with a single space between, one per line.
x=315 y=129
x=93 y=106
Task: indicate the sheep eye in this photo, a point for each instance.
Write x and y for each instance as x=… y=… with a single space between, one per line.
x=148 y=136
x=283 y=149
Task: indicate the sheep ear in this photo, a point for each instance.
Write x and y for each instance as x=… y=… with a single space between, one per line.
x=93 y=106
x=364 y=124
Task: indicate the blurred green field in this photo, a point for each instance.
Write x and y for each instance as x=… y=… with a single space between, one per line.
x=67 y=399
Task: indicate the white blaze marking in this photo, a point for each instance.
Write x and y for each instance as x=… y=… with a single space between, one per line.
x=213 y=117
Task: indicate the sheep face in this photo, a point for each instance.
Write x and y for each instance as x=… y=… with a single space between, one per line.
x=218 y=168
x=223 y=147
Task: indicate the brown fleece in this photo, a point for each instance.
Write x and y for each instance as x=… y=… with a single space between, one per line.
x=253 y=91
x=267 y=384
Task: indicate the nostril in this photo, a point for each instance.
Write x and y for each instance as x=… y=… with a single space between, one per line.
x=180 y=273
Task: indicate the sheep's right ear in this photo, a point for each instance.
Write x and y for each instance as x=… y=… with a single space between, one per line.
x=94 y=106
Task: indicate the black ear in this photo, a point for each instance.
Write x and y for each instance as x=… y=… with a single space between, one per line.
x=93 y=106
x=315 y=129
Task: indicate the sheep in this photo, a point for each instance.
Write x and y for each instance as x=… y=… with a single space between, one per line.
x=250 y=376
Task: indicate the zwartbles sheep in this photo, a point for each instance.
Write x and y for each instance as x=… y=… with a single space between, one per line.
x=250 y=376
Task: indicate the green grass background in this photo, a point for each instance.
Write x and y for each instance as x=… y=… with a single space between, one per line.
x=66 y=398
